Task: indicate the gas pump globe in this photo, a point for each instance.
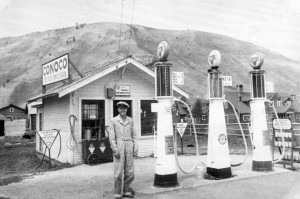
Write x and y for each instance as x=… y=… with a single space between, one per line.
x=262 y=157
x=218 y=162
x=165 y=168
x=215 y=87
x=257 y=77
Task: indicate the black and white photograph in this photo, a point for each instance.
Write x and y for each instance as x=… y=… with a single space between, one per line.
x=160 y=99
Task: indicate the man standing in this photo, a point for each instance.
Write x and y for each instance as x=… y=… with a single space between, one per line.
x=123 y=141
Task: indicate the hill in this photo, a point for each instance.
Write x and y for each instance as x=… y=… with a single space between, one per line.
x=93 y=45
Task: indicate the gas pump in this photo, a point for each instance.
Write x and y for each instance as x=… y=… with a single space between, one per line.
x=218 y=162
x=165 y=168
x=262 y=156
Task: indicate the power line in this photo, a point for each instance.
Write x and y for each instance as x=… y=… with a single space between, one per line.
x=121 y=27
x=130 y=27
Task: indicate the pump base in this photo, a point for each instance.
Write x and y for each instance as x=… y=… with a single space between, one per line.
x=219 y=173
x=169 y=180
x=262 y=166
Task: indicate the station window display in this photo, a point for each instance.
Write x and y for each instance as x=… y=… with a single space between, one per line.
x=93 y=122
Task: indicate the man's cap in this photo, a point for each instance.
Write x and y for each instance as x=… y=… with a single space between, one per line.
x=122 y=104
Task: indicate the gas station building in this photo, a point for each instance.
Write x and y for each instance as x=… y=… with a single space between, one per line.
x=92 y=99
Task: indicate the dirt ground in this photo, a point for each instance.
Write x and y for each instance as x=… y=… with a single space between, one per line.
x=19 y=160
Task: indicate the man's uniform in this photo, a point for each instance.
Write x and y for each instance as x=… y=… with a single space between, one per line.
x=123 y=141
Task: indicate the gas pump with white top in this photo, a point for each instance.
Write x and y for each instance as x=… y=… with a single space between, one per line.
x=262 y=155
x=165 y=168
x=218 y=161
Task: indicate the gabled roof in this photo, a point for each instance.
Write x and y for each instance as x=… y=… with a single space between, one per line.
x=89 y=77
x=282 y=109
x=11 y=105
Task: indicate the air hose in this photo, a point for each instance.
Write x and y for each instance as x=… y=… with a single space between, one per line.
x=72 y=142
x=244 y=138
x=197 y=147
x=283 y=144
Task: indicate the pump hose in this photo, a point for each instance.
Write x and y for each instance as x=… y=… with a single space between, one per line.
x=72 y=142
x=175 y=142
x=244 y=138
x=283 y=143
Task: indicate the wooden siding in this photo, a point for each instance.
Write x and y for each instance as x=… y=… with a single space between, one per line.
x=146 y=147
x=56 y=116
x=15 y=127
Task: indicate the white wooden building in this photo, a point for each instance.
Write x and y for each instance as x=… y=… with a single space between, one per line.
x=92 y=99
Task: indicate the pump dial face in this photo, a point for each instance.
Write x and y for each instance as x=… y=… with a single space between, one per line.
x=257 y=60
x=214 y=58
x=163 y=50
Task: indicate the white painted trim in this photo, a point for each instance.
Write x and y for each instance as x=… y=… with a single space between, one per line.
x=142 y=67
x=180 y=91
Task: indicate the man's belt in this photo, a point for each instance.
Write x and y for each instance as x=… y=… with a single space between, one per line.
x=124 y=139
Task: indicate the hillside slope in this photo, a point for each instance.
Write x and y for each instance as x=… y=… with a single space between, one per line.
x=94 y=45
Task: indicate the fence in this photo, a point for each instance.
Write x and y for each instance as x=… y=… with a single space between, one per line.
x=15 y=127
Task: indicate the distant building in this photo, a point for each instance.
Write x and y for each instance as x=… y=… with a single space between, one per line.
x=286 y=106
x=13 y=112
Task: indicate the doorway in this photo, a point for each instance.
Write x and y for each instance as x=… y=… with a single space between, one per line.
x=93 y=119
x=1 y=127
x=115 y=109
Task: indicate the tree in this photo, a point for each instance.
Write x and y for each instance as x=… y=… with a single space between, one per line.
x=197 y=110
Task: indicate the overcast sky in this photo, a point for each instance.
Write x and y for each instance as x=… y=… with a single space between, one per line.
x=273 y=24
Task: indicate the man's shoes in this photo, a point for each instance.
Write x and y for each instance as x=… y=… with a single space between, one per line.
x=128 y=195
x=117 y=196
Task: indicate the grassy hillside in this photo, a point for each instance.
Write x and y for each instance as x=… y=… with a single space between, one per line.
x=94 y=45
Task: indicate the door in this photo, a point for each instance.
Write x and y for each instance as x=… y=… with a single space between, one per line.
x=1 y=127
x=115 y=108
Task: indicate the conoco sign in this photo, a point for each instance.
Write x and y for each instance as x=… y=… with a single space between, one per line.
x=56 y=70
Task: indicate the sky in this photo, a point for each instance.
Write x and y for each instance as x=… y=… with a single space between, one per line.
x=273 y=24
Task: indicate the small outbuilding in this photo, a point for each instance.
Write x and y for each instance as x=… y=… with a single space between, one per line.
x=92 y=99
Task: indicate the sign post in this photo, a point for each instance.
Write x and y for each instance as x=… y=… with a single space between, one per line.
x=181 y=128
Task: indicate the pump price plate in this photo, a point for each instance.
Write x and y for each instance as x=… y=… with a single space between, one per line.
x=178 y=78
x=284 y=123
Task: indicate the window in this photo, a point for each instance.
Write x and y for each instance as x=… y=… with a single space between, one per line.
x=204 y=117
x=271 y=103
x=279 y=103
x=148 y=118
x=11 y=110
x=93 y=119
x=246 y=118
